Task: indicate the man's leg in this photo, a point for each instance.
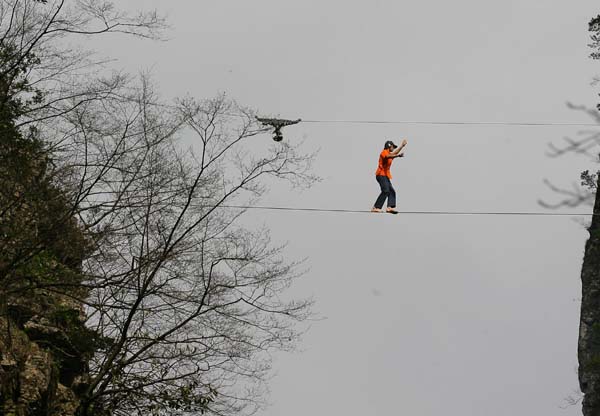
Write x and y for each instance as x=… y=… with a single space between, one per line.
x=392 y=196
x=384 y=184
x=391 y=206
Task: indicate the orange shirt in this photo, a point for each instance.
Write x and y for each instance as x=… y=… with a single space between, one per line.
x=385 y=162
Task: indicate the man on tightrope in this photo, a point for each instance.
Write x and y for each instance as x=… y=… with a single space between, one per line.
x=383 y=176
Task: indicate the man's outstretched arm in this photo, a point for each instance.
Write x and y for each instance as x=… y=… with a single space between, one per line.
x=396 y=152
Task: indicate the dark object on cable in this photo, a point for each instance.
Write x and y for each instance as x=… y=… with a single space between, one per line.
x=277 y=124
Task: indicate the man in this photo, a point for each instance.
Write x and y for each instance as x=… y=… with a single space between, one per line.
x=383 y=176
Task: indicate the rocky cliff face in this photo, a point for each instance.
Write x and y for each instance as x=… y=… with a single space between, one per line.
x=589 y=327
x=588 y=349
x=44 y=345
x=42 y=356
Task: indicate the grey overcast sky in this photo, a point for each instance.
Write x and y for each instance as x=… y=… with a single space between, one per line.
x=425 y=315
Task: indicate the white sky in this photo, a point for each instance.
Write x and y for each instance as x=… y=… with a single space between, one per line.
x=425 y=315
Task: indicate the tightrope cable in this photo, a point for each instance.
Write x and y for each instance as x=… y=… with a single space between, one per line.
x=444 y=123
x=425 y=122
x=414 y=212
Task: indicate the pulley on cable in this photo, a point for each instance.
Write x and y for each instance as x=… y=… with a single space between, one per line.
x=277 y=124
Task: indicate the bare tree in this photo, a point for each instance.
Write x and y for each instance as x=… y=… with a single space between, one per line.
x=190 y=301
x=43 y=78
x=585 y=145
x=41 y=66
x=183 y=303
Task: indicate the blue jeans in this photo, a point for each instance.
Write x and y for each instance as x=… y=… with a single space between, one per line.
x=387 y=192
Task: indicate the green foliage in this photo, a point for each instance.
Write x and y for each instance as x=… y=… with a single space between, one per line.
x=594 y=26
x=16 y=94
x=84 y=340
x=595 y=338
x=64 y=316
x=40 y=238
x=592 y=364
x=589 y=180
x=42 y=267
x=184 y=399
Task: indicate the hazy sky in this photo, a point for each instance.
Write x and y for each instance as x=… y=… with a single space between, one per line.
x=425 y=315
